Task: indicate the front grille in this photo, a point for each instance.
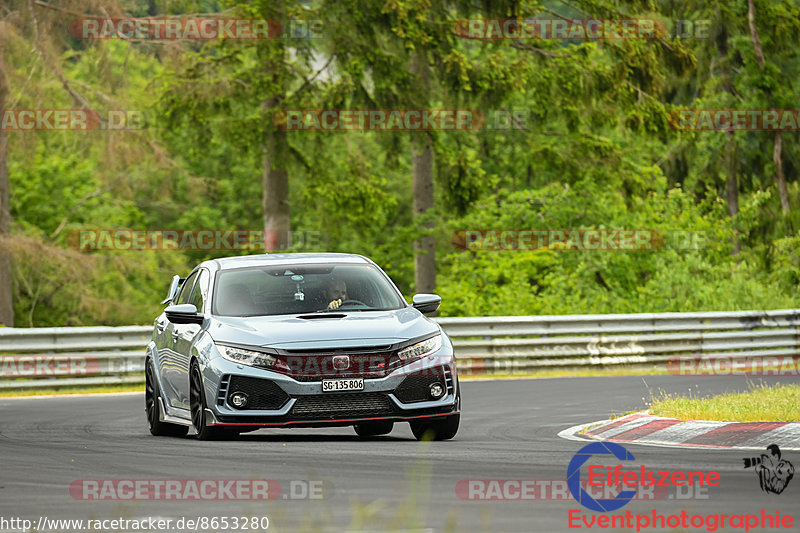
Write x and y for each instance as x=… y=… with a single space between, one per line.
x=317 y=366
x=416 y=388
x=313 y=378
x=342 y=405
x=261 y=393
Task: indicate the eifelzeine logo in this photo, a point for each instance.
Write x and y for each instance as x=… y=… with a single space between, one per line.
x=616 y=476
x=574 y=484
x=599 y=475
x=774 y=473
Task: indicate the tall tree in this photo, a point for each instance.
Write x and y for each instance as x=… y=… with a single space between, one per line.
x=241 y=85
x=396 y=55
x=6 y=280
x=422 y=170
x=777 y=144
x=276 y=209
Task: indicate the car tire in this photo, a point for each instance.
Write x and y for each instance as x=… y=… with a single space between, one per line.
x=197 y=404
x=373 y=429
x=152 y=408
x=439 y=430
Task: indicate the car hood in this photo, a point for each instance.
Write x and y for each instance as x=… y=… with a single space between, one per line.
x=325 y=330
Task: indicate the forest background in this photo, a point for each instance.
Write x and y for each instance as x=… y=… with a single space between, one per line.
x=579 y=134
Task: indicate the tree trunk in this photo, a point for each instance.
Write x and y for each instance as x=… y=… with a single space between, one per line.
x=422 y=169
x=732 y=186
x=6 y=286
x=777 y=145
x=751 y=22
x=275 y=193
x=275 y=178
x=780 y=178
x=425 y=246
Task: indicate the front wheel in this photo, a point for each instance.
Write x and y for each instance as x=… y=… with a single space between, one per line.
x=152 y=408
x=197 y=403
x=439 y=430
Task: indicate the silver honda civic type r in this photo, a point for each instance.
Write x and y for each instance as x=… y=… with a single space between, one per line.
x=298 y=340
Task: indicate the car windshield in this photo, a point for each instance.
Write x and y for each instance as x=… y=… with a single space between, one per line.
x=302 y=289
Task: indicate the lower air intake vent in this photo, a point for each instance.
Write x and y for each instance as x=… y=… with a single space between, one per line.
x=261 y=393
x=326 y=406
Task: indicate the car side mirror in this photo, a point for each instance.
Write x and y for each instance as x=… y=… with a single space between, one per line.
x=173 y=289
x=426 y=303
x=183 y=314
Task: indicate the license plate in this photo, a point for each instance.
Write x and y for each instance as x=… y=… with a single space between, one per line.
x=335 y=385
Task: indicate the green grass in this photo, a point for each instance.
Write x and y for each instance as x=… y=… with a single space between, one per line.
x=761 y=404
x=616 y=370
x=99 y=389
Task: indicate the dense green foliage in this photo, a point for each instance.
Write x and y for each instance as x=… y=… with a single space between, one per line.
x=594 y=149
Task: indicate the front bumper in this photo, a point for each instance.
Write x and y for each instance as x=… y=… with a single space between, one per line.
x=278 y=400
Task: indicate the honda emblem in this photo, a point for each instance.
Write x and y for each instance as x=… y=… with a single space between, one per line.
x=341 y=362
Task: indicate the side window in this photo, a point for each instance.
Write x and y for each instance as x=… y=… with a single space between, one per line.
x=200 y=293
x=186 y=290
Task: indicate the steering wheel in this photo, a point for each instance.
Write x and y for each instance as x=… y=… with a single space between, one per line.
x=346 y=302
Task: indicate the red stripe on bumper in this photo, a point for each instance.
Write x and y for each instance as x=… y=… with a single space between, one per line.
x=334 y=421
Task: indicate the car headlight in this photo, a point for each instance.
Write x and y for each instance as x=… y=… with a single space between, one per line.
x=421 y=349
x=247 y=357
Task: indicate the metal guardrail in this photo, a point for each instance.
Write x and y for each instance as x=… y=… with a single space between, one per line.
x=68 y=357
x=47 y=357
x=510 y=344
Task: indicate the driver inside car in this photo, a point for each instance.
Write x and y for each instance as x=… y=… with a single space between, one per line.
x=336 y=294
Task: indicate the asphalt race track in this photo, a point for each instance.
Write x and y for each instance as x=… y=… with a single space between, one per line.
x=394 y=483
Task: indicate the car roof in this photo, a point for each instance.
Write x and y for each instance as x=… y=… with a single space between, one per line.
x=225 y=263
